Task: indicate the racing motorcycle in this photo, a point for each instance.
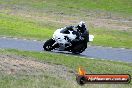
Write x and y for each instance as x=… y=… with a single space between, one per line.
x=63 y=41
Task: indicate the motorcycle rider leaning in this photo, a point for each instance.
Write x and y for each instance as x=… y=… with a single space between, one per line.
x=82 y=34
x=71 y=38
x=80 y=31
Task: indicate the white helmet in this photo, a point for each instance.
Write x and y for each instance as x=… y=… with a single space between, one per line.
x=81 y=23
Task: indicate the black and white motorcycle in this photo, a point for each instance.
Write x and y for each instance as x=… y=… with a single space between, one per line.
x=69 y=39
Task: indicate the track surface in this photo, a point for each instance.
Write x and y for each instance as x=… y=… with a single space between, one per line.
x=116 y=54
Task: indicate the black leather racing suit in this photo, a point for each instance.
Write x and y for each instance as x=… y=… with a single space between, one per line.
x=82 y=36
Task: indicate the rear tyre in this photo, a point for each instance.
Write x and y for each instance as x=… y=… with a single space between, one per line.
x=78 y=49
x=48 y=45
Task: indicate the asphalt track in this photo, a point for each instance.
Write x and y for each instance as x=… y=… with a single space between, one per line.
x=115 y=54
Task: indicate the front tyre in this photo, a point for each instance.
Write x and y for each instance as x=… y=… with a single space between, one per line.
x=48 y=45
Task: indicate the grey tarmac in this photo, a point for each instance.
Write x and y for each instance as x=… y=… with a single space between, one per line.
x=106 y=53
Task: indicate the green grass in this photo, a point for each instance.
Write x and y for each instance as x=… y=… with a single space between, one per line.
x=17 y=27
x=24 y=27
x=112 y=38
x=14 y=26
x=91 y=65
x=9 y=81
x=94 y=65
x=29 y=81
x=42 y=28
x=72 y=6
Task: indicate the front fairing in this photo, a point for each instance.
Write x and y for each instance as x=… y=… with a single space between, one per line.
x=60 y=34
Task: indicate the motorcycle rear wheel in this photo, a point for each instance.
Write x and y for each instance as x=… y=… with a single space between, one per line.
x=78 y=49
x=48 y=45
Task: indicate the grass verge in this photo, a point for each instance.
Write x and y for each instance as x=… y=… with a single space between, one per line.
x=38 y=19
x=95 y=65
x=112 y=38
x=33 y=81
x=18 y=27
x=24 y=28
x=78 y=6
x=46 y=81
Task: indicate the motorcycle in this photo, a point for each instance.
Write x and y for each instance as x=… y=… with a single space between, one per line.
x=62 y=41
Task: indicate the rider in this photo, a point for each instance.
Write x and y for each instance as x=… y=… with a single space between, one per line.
x=80 y=31
x=82 y=34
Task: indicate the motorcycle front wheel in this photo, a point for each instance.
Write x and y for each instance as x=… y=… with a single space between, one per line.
x=48 y=45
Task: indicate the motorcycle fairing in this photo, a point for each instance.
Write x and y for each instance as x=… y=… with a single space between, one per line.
x=60 y=35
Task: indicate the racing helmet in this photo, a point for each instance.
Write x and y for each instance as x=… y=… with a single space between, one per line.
x=81 y=26
x=82 y=23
